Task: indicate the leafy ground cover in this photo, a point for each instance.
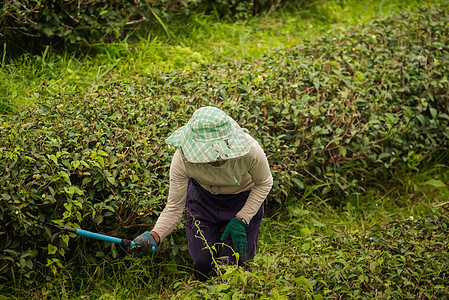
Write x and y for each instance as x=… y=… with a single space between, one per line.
x=348 y=216
x=378 y=246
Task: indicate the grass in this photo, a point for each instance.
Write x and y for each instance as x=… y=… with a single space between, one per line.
x=201 y=39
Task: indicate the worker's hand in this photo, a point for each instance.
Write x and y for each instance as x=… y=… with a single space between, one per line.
x=236 y=229
x=144 y=244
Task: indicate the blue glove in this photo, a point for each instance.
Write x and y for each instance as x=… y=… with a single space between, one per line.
x=144 y=244
x=236 y=229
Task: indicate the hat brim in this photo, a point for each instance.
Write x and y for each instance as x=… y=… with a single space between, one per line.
x=233 y=146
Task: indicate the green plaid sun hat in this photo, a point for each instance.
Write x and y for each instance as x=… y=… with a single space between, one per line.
x=210 y=136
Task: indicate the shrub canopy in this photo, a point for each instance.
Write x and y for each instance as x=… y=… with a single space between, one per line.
x=332 y=115
x=30 y=24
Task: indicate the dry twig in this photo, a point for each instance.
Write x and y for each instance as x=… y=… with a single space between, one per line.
x=442 y=204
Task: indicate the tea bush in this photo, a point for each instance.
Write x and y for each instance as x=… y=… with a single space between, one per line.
x=401 y=259
x=70 y=21
x=29 y=24
x=333 y=116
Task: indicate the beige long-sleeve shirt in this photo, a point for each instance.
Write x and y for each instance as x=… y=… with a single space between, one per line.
x=250 y=172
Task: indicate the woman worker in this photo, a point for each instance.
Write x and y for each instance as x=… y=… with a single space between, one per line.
x=220 y=175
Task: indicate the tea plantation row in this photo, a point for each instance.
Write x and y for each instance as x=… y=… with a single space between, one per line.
x=406 y=259
x=333 y=115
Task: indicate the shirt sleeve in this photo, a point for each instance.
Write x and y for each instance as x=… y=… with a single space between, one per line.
x=177 y=193
x=259 y=170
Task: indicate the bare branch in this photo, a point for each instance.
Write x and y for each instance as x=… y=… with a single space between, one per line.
x=442 y=204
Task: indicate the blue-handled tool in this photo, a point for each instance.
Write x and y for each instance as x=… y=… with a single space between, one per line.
x=91 y=234
x=98 y=236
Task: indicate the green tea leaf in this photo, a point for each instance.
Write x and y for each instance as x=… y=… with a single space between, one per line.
x=52 y=249
x=435 y=183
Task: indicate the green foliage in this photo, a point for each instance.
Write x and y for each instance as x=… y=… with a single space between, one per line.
x=200 y=38
x=84 y=165
x=310 y=254
x=241 y=9
x=376 y=249
x=70 y=21
x=406 y=259
x=29 y=24
x=355 y=104
x=333 y=116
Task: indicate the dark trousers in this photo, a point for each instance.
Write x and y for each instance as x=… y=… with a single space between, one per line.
x=206 y=217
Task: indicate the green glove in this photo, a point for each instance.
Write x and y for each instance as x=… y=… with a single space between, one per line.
x=144 y=244
x=236 y=229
